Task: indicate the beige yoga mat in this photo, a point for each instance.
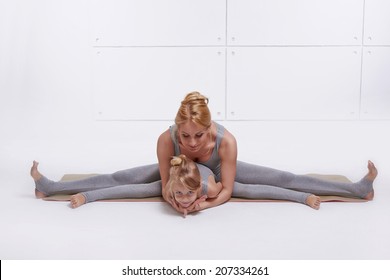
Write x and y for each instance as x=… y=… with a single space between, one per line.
x=339 y=178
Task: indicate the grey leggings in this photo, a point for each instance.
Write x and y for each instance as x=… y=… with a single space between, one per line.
x=137 y=182
x=252 y=181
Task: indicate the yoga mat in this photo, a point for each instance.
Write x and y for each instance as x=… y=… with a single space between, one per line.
x=340 y=178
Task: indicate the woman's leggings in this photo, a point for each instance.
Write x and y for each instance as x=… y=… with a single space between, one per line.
x=252 y=181
x=137 y=182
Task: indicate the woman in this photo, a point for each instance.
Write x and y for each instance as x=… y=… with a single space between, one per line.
x=208 y=143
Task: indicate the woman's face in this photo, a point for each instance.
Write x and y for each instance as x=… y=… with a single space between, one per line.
x=183 y=196
x=193 y=136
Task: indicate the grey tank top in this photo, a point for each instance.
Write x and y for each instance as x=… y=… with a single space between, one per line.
x=214 y=162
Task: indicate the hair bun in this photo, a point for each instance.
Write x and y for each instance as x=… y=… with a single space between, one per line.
x=177 y=160
x=195 y=97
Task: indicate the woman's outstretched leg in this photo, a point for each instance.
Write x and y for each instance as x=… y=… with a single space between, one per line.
x=259 y=175
x=136 y=175
x=370 y=177
x=36 y=175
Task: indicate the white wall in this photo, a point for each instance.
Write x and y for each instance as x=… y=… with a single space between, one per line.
x=69 y=70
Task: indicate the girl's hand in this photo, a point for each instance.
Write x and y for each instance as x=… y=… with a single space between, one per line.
x=195 y=206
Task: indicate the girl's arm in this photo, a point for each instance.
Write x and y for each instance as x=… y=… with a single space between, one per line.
x=213 y=188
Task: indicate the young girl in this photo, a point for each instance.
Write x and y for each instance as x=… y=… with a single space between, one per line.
x=190 y=183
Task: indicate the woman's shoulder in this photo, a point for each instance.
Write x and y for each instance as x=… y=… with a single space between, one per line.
x=165 y=148
x=165 y=137
x=228 y=138
x=228 y=146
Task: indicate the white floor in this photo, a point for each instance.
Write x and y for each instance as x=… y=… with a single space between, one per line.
x=36 y=229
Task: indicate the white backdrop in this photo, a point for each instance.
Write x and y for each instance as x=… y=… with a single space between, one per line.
x=88 y=86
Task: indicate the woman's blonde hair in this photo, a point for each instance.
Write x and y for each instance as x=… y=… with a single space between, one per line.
x=184 y=172
x=194 y=107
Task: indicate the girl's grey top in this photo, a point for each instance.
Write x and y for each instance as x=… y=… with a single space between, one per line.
x=204 y=175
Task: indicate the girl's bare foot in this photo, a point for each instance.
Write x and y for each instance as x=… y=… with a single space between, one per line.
x=371 y=175
x=77 y=200
x=36 y=175
x=313 y=201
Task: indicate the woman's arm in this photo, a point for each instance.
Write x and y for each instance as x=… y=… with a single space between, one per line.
x=228 y=155
x=165 y=151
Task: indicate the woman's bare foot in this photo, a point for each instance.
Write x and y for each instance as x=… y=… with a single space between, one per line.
x=39 y=194
x=34 y=171
x=313 y=201
x=36 y=175
x=77 y=200
x=371 y=175
x=372 y=171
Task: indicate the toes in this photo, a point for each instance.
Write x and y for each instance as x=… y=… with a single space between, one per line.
x=73 y=202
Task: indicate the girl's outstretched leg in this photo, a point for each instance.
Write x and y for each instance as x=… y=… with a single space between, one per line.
x=252 y=191
x=313 y=201
x=117 y=192
x=77 y=200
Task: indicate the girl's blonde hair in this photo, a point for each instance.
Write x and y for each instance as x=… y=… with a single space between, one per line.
x=183 y=172
x=194 y=107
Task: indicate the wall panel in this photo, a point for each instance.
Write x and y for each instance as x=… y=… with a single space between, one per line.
x=293 y=83
x=376 y=83
x=299 y=22
x=149 y=83
x=158 y=23
x=377 y=22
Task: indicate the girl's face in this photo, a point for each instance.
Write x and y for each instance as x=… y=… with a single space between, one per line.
x=183 y=196
x=193 y=136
